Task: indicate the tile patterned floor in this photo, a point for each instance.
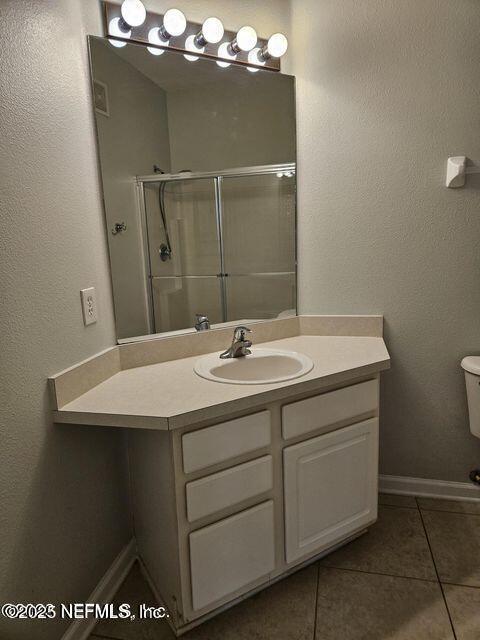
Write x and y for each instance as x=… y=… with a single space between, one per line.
x=414 y=576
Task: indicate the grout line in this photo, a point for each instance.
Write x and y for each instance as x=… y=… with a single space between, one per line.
x=459 y=513
x=456 y=584
x=316 y=604
x=436 y=571
x=377 y=573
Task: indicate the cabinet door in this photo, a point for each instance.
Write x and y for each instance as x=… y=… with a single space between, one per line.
x=330 y=488
x=229 y=556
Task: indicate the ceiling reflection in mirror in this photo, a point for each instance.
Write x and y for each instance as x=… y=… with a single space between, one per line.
x=199 y=180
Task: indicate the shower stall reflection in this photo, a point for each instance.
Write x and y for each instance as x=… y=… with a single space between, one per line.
x=220 y=244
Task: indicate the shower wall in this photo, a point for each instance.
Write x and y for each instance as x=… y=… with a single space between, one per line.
x=232 y=238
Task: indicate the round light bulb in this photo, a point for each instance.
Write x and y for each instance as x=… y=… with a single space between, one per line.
x=254 y=59
x=133 y=12
x=154 y=51
x=277 y=45
x=191 y=46
x=224 y=52
x=115 y=30
x=213 y=30
x=154 y=38
x=174 y=22
x=246 y=38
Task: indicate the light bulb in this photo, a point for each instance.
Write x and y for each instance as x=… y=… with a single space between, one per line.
x=254 y=59
x=246 y=38
x=115 y=29
x=277 y=45
x=133 y=12
x=154 y=38
x=174 y=23
x=212 y=31
x=154 y=51
x=191 y=46
x=224 y=52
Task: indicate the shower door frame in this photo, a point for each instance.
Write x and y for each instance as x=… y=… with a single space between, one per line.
x=217 y=177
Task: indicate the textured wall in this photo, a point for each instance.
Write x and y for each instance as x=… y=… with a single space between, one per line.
x=63 y=511
x=386 y=91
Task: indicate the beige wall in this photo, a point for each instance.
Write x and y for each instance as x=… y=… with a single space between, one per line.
x=132 y=139
x=386 y=91
x=243 y=124
x=63 y=494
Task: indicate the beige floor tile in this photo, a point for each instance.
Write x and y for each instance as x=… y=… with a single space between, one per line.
x=464 y=606
x=135 y=591
x=284 y=611
x=393 y=500
x=396 y=545
x=360 y=606
x=453 y=506
x=455 y=542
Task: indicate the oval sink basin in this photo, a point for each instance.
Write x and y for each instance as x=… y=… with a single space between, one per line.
x=263 y=366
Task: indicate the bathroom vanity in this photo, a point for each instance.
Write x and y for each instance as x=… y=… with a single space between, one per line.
x=242 y=469
x=234 y=486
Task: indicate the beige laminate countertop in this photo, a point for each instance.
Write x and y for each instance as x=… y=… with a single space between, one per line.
x=169 y=395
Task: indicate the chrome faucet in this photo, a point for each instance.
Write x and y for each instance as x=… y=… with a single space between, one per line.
x=240 y=345
x=202 y=323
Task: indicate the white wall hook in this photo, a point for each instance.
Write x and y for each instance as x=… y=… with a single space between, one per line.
x=457 y=170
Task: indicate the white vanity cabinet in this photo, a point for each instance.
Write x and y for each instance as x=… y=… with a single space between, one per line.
x=224 y=509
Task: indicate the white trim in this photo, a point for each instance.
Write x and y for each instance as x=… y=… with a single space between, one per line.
x=425 y=488
x=105 y=591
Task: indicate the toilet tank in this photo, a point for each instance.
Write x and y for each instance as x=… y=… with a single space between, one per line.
x=471 y=366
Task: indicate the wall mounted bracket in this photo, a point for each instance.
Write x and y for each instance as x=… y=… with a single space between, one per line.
x=456 y=171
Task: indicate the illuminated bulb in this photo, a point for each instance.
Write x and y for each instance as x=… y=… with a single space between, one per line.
x=224 y=52
x=254 y=59
x=115 y=29
x=245 y=40
x=276 y=47
x=191 y=46
x=154 y=51
x=212 y=32
x=133 y=12
x=174 y=24
x=154 y=38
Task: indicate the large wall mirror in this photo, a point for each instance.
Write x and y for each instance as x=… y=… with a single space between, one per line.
x=199 y=171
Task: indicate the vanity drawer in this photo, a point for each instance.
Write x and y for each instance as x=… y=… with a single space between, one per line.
x=229 y=487
x=209 y=446
x=231 y=554
x=328 y=408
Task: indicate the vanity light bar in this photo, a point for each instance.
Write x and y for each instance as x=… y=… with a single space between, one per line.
x=131 y=22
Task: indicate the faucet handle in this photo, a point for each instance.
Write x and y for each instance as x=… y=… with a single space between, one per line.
x=240 y=333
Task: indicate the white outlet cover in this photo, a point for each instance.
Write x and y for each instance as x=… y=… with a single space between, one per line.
x=89 y=305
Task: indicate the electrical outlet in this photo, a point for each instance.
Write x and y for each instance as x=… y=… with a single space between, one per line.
x=89 y=305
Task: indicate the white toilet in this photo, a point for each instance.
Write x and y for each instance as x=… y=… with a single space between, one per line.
x=471 y=366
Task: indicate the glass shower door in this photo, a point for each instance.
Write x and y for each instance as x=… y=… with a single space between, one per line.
x=184 y=252
x=258 y=229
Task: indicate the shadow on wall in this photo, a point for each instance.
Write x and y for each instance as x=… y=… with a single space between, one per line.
x=63 y=523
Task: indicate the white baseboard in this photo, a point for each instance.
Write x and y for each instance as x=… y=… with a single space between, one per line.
x=425 y=488
x=105 y=591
